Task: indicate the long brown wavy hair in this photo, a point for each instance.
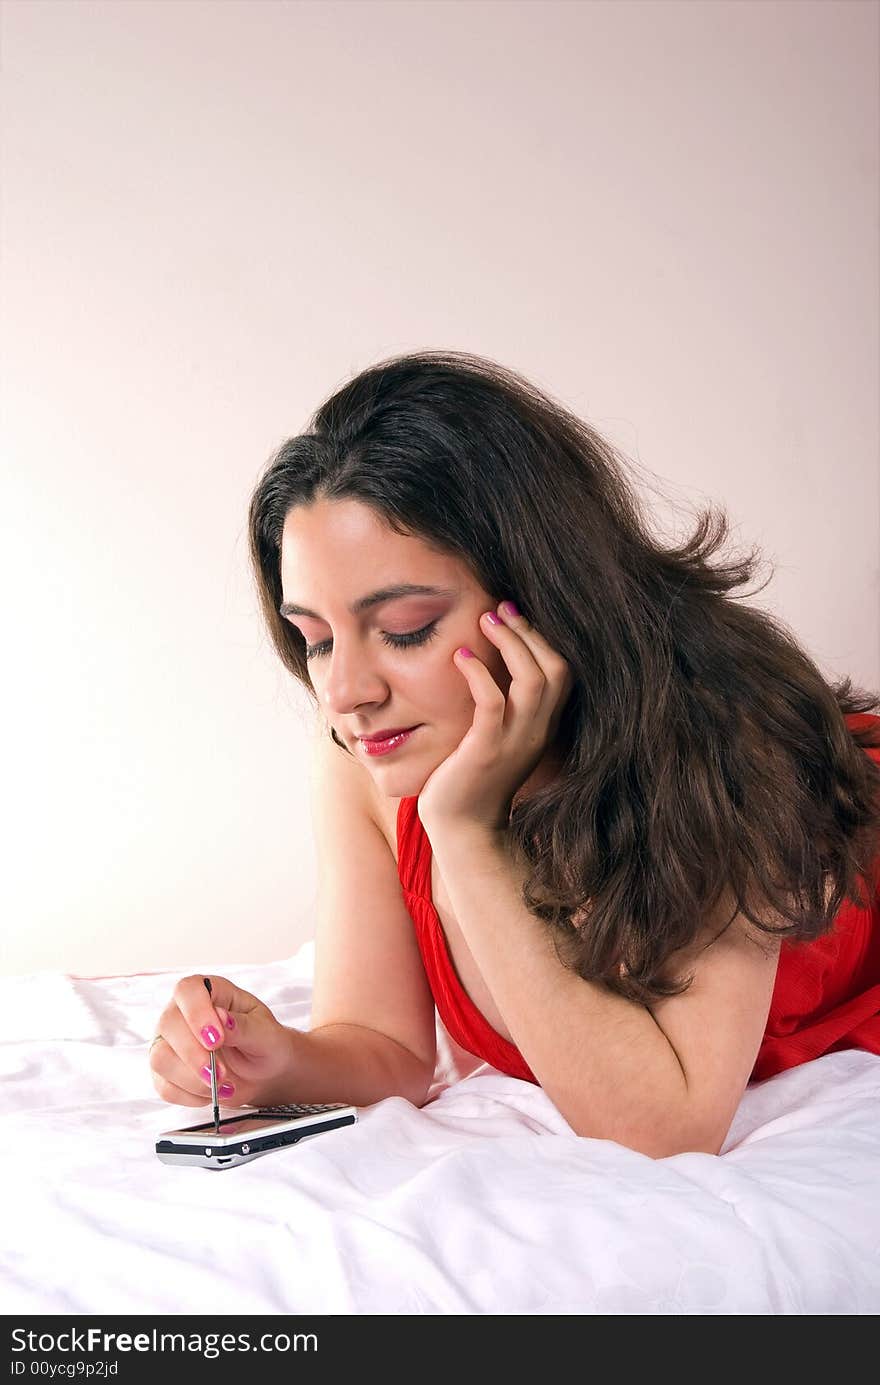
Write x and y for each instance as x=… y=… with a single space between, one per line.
x=704 y=755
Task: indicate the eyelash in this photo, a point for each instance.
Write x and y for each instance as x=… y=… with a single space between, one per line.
x=415 y=637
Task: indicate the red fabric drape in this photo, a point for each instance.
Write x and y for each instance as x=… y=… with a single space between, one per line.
x=826 y=996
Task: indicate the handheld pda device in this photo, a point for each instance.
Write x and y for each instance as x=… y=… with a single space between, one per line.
x=238 y=1138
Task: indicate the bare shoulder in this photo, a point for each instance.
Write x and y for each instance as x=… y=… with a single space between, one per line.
x=717 y=1024
x=724 y=931
x=384 y=814
x=342 y=773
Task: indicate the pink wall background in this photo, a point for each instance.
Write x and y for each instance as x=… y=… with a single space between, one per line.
x=665 y=213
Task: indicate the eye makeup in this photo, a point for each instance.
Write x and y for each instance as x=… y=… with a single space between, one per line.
x=403 y=641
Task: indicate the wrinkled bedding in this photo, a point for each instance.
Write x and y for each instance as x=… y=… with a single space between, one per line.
x=483 y=1201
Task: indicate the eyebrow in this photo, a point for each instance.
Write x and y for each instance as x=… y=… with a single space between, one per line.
x=290 y=608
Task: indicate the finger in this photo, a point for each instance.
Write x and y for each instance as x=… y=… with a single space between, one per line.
x=201 y=1010
x=528 y=682
x=519 y=654
x=198 y=1010
x=177 y=1059
x=548 y=659
x=239 y=1033
x=177 y=1096
x=226 y=1019
x=243 y=1054
x=179 y=1044
x=554 y=668
x=489 y=700
x=184 y=1096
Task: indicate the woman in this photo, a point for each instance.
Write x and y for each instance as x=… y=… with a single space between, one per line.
x=623 y=833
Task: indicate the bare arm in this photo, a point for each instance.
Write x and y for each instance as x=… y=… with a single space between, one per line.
x=660 y=1081
x=347 y=1062
x=373 y=1022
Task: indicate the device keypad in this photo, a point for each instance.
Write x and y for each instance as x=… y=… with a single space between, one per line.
x=300 y=1109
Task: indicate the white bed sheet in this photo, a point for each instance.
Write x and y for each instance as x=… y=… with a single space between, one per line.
x=484 y=1201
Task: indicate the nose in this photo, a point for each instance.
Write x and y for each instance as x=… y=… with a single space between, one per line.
x=350 y=682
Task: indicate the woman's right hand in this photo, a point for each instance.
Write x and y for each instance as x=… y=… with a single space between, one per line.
x=253 y=1049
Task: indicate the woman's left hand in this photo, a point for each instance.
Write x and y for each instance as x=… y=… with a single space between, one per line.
x=509 y=735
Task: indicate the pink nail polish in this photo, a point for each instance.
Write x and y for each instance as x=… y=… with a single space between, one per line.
x=493 y=619
x=225 y=1089
x=509 y=608
x=206 y=1074
x=230 y=1022
x=465 y=652
x=210 y=1036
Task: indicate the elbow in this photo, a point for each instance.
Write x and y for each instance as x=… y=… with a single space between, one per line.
x=419 y=1097
x=694 y=1145
x=656 y=1147
x=661 y=1140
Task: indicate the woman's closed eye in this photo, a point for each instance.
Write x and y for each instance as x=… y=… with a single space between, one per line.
x=404 y=641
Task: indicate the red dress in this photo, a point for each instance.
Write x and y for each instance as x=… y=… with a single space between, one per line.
x=826 y=995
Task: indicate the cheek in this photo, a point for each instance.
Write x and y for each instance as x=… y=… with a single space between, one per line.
x=440 y=689
x=448 y=690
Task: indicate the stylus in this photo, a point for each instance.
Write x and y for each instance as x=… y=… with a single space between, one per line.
x=212 y=1059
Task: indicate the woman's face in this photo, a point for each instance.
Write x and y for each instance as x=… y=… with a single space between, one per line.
x=335 y=553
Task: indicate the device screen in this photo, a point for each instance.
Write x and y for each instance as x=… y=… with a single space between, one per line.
x=237 y=1125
